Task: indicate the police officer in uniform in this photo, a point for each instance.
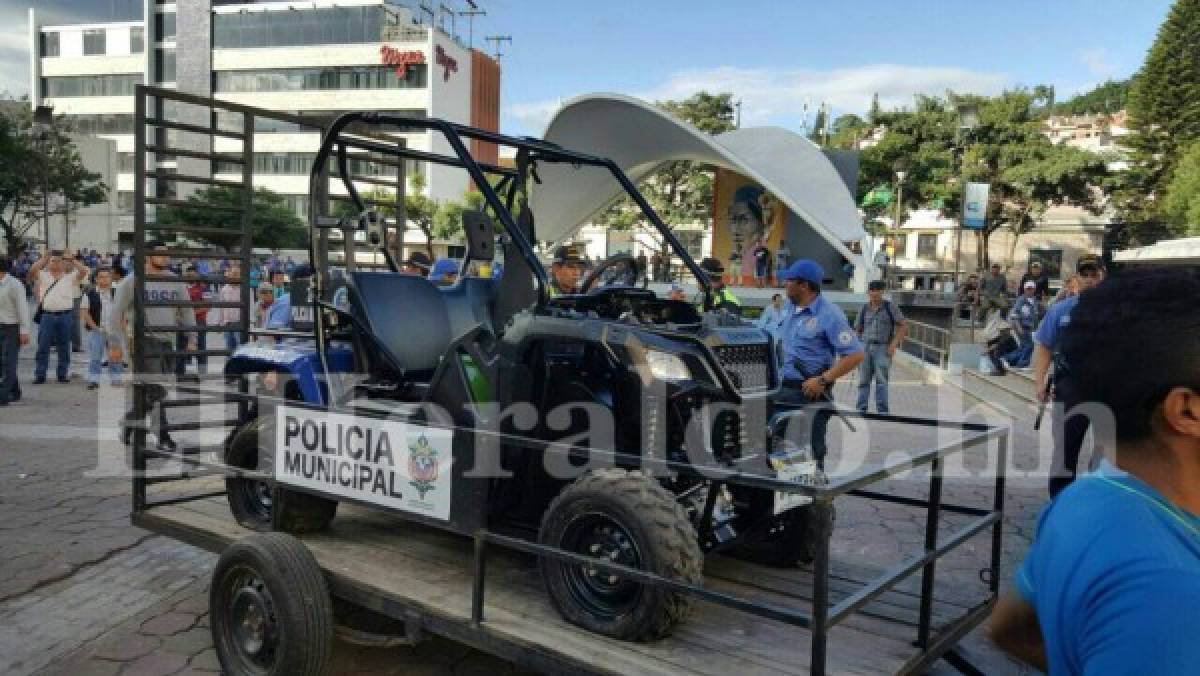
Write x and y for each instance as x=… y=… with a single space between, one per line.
x=817 y=344
x=566 y=270
x=723 y=298
x=1068 y=430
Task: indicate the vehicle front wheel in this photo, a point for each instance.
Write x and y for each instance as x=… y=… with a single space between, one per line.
x=627 y=518
x=270 y=609
x=251 y=500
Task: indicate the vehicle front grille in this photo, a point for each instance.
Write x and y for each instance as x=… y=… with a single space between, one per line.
x=747 y=365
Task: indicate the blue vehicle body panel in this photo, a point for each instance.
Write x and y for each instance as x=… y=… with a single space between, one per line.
x=300 y=361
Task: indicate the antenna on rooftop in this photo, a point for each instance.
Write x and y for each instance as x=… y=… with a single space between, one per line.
x=497 y=40
x=471 y=14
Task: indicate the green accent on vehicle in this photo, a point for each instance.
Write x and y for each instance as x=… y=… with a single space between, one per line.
x=481 y=389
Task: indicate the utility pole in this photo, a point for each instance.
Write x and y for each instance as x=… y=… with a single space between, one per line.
x=471 y=14
x=737 y=111
x=497 y=40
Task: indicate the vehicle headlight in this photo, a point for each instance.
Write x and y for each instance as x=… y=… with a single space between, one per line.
x=666 y=366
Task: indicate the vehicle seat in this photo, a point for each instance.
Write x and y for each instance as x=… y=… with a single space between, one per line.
x=406 y=317
x=469 y=303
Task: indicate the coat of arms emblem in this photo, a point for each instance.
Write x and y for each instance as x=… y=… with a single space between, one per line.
x=422 y=466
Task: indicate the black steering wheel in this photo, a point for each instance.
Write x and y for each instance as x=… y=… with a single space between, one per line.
x=616 y=270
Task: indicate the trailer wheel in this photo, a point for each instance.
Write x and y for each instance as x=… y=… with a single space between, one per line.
x=270 y=608
x=782 y=541
x=251 y=501
x=627 y=518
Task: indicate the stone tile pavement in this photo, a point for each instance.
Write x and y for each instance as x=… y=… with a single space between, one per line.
x=82 y=591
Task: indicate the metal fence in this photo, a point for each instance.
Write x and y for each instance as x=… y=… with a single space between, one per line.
x=928 y=342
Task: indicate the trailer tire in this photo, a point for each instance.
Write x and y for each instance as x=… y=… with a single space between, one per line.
x=270 y=609
x=251 y=501
x=784 y=541
x=629 y=518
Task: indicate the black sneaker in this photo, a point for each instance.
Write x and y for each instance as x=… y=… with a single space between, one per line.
x=39 y=381
x=64 y=380
x=93 y=386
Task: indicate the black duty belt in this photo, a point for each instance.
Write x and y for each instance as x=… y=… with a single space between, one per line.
x=56 y=312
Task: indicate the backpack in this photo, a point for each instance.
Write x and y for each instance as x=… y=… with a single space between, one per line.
x=860 y=320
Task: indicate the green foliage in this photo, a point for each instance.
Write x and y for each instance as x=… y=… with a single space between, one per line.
x=1164 y=109
x=1109 y=97
x=1182 y=203
x=273 y=223
x=848 y=130
x=33 y=162
x=680 y=192
x=1007 y=150
x=447 y=222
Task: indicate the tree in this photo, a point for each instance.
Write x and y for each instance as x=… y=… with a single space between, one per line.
x=1182 y=203
x=273 y=223
x=817 y=131
x=1109 y=97
x=39 y=167
x=848 y=130
x=680 y=191
x=1007 y=150
x=1164 y=110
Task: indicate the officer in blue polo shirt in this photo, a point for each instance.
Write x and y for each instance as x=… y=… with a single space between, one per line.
x=1069 y=430
x=817 y=344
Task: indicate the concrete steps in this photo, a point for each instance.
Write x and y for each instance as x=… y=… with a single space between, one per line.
x=1014 y=383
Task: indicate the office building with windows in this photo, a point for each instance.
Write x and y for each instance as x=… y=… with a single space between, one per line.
x=312 y=58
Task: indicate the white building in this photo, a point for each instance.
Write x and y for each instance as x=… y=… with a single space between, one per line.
x=316 y=57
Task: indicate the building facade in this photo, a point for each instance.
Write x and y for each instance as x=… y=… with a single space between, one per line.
x=314 y=58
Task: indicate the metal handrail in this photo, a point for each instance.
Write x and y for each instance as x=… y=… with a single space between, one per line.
x=926 y=340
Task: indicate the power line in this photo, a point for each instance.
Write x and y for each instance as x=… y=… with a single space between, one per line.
x=471 y=14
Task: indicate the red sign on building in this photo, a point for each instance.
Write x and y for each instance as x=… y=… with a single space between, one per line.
x=448 y=63
x=401 y=60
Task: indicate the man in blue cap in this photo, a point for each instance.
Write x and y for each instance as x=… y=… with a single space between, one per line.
x=818 y=344
x=445 y=272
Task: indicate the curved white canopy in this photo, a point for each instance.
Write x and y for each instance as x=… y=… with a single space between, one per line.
x=640 y=137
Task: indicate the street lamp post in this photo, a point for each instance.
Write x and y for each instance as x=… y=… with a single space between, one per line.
x=901 y=172
x=968 y=119
x=43 y=121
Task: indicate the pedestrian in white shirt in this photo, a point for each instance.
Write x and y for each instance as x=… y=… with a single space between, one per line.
x=58 y=276
x=15 y=328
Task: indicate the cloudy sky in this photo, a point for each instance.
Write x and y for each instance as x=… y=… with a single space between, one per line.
x=773 y=55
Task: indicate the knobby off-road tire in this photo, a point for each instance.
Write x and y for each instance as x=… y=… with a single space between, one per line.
x=250 y=501
x=628 y=518
x=270 y=609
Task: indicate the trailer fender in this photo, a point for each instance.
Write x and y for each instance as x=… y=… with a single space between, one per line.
x=298 y=361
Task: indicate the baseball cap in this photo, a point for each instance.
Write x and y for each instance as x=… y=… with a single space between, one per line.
x=418 y=259
x=568 y=253
x=1030 y=284
x=675 y=288
x=712 y=266
x=877 y=285
x=443 y=267
x=808 y=270
x=1089 y=261
x=266 y=286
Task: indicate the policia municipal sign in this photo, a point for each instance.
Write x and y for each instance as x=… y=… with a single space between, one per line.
x=389 y=463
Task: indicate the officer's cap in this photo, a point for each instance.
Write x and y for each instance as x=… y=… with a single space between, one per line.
x=877 y=285
x=568 y=253
x=712 y=266
x=418 y=259
x=808 y=270
x=1089 y=261
x=443 y=267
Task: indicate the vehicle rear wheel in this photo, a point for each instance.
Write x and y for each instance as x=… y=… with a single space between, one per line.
x=627 y=518
x=270 y=609
x=251 y=500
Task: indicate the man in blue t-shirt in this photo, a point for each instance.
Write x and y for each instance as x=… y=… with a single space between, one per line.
x=1111 y=584
x=1069 y=429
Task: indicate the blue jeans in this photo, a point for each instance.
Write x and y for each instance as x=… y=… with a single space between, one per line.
x=10 y=345
x=54 y=331
x=875 y=366
x=1020 y=357
x=97 y=344
x=232 y=340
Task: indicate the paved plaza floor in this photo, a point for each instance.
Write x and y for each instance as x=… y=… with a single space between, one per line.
x=84 y=592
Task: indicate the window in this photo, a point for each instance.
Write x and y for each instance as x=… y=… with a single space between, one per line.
x=137 y=39
x=125 y=200
x=303 y=79
x=51 y=45
x=125 y=162
x=293 y=28
x=298 y=204
x=114 y=123
x=164 y=64
x=165 y=26
x=233 y=122
x=927 y=247
x=90 y=85
x=94 y=41
x=901 y=245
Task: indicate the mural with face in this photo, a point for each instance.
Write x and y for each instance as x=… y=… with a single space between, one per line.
x=750 y=218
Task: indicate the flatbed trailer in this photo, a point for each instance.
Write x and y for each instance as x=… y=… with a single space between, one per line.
x=483 y=587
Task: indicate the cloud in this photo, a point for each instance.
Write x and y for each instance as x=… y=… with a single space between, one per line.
x=1097 y=62
x=772 y=96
